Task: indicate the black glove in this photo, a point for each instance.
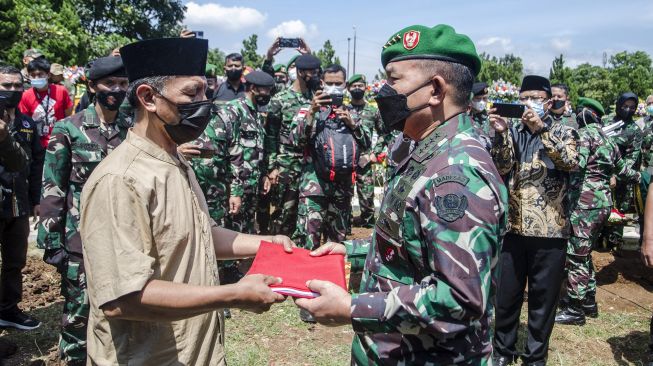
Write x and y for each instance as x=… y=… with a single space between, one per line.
x=56 y=257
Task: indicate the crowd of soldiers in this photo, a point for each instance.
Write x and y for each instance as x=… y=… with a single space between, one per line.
x=548 y=181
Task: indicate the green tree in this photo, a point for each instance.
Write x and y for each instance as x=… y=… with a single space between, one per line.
x=559 y=73
x=134 y=19
x=509 y=68
x=9 y=24
x=249 y=51
x=216 y=57
x=327 y=54
x=58 y=34
x=631 y=72
x=593 y=82
x=102 y=45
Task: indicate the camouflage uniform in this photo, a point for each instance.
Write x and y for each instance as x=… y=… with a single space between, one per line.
x=481 y=122
x=566 y=120
x=647 y=140
x=591 y=201
x=285 y=156
x=323 y=206
x=246 y=160
x=430 y=273
x=77 y=145
x=629 y=141
x=370 y=117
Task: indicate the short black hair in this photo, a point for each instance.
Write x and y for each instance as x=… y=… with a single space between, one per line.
x=458 y=75
x=561 y=86
x=38 y=64
x=156 y=82
x=334 y=69
x=10 y=70
x=234 y=57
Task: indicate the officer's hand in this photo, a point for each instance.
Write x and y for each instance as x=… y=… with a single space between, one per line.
x=55 y=257
x=189 y=150
x=373 y=158
x=274 y=176
x=187 y=34
x=273 y=50
x=253 y=293
x=266 y=185
x=613 y=182
x=532 y=120
x=332 y=307
x=345 y=116
x=303 y=47
x=329 y=248
x=234 y=204
x=4 y=126
x=497 y=122
x=285 y=241
x=320 y=98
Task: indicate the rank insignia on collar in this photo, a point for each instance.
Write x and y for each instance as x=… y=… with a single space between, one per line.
x=411 y=39
x=451 y=207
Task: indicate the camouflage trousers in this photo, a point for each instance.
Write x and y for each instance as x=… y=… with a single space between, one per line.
x=243 y=221
x=322 y=216
x=284 y=217
x=263 y=209
x=586 y=227
x=365 y=192
x=72 y=340
x=624 y=202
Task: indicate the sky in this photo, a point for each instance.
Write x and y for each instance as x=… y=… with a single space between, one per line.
x=537 y=31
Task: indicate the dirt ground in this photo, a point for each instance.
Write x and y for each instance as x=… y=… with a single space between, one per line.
x=625 y=287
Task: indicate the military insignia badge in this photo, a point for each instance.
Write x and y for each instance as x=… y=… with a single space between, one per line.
x=451 y=207
x=411 y=39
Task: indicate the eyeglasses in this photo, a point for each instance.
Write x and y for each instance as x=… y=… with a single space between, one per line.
x=535 y=99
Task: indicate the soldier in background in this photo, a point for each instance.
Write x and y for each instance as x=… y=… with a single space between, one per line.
x=561 y=109
x=77 y=145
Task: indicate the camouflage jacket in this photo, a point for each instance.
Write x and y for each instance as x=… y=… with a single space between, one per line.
x=537 y=167
x=77 y=145
x=430 y=273
x=246 y=153
x=301 y=134
x=214 y=173
x=598 y=160
x=566 y=120
x=647 y=141
x=481 y=122
x=629 y=141
x=283 y=108
x=21 y=190
x=369 y=116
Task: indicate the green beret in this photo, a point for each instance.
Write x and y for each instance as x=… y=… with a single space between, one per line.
x=591 y=103
x=211 y=71
x=292 y=60
x=356 y=77
x=280 y=68
x=438 y=43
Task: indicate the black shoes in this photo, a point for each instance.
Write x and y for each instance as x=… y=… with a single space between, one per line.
x=590 y=307
x=499 y=360
x=19 y=320
x=571 y=313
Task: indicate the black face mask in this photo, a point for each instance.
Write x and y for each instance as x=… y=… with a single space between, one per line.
x=234 y=74
x=209 y=93
x=10 y=98
x=193 y=119
x=557 y=104
x=262 y=100
x=357 y=94
x=312 y=83
x=626 y=113
x=393 y=107
x=585 y=116
x=103 y=99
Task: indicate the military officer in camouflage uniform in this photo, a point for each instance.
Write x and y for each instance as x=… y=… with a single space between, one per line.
x=324 y=205
x=560 y=111
x=370 y=117
x=429 y=278
x=76 y=147
x=646 y=124
x=285 y=157
x=247 y=152
x=591 y=200
x=478 y=112
x=628 y=138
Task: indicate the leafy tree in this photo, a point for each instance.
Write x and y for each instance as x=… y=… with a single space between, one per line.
x=102 y=45
x=631 y=72
x=216 y=57
x=134 y=19
x=509 y=68
x=380 y=75
x=559 y=73
x=327 y=54
x=9 y=24
x=249 y=51
x=593 y=82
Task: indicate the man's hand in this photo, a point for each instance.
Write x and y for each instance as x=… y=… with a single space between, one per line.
x=234 y=204
x=285 y=241
x=332 y=307
x=373 y=158
x=189 y=150
x=532 y=121
x=320 y=98
x=267 y=185
x=273 y=50
x=345 y=116
x=303 y=47
x=329 y=248
x=4 y=126
x=498 y=123
x=274 y=176
x=613 y=182
x=254 y=294
x=36 y=212
x=187 y=34
x=647 y=252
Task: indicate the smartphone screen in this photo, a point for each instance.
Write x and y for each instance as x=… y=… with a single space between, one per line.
x=509 y=110
x=289 y=42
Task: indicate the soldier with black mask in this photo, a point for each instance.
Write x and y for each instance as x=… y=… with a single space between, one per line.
x=559 y=109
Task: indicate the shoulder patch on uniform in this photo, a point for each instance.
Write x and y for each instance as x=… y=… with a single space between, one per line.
x=450 y=178
x=451 y=207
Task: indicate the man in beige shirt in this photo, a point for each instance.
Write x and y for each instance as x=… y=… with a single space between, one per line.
x=150 y=247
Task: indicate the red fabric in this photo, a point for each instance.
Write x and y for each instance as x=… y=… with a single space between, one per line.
x=298 y=267
x=60 y=102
